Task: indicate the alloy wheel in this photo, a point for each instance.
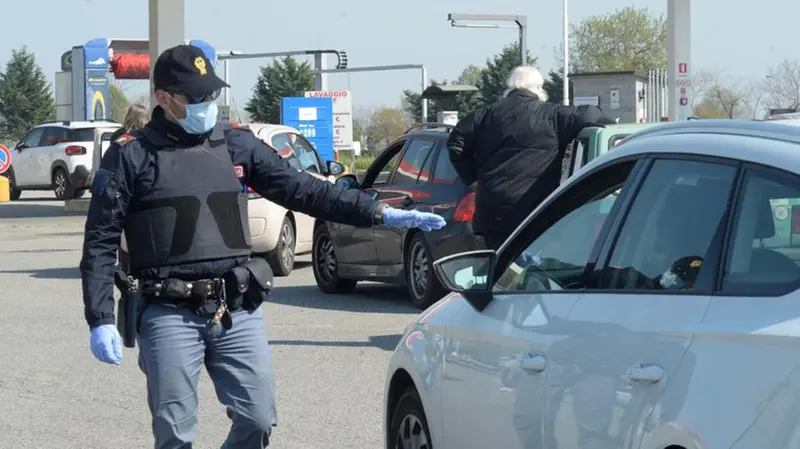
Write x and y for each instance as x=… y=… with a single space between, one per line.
x=418 y=272
x=411 y=434
x=287 y=245
x=326 y=259
x=60 y=184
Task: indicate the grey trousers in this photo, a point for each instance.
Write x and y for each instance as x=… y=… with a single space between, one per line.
x=174 y=345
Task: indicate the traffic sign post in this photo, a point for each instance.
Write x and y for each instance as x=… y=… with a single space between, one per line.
x=342 y=116
x=313 y=117
x=5 y=159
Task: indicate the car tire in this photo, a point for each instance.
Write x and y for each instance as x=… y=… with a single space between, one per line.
x=14 y=192
x=62 y=186
x=423 y=286
x=409 y=426
x=326 y=268
x=281 y=258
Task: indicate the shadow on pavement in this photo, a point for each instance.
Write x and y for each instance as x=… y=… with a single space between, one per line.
x=35 y=209
x=384 y=342
x=49 y=273
x=41 y=250
x=369 y=298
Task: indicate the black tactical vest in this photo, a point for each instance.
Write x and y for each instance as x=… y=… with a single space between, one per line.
x=195 y=211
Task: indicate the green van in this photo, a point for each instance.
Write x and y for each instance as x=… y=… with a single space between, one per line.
x=595 y=141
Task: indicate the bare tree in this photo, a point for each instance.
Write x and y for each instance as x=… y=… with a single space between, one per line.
x=720 y=96
x=783 y=85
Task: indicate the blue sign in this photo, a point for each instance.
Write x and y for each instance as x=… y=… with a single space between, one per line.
x=313 y=117
x=96 y=87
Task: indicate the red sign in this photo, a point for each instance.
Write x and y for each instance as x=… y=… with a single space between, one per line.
x=5 y=159
x=684 y=101
x=683 y=67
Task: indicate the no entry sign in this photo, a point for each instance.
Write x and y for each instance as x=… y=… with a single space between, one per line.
x=5 y=159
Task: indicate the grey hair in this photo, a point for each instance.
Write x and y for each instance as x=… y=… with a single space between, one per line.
x=528 y=78
x=136 y=117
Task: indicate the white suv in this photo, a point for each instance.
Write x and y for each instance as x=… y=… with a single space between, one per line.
x=56 y=156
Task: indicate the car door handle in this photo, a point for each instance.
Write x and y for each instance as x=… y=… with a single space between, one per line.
x=646 y=372
x=532 y=362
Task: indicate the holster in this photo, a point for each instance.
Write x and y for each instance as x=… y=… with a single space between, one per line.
x=253 y=282
x=128 y=309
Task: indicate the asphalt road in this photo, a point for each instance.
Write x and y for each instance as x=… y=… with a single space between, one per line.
x=330 y=352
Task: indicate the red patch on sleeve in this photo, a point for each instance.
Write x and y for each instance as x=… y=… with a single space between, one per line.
x=239 y=171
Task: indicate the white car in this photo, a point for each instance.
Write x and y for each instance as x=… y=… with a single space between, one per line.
x=650 y=302
x=277 y=233
x=56 y=156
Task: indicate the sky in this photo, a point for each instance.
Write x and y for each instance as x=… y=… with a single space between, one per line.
x=743 y=41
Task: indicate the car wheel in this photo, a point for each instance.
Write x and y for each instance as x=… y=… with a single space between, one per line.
x=281 y=259
x=409 y=427
x=326 y=267
x=14 y=191
x=423 y=286
x=61 y=185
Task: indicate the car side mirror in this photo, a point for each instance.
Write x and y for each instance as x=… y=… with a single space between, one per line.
x=348 y=181
x=335 y=168
x=19 y=146
x=470 y=273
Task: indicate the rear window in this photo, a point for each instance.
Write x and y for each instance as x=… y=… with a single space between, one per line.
x=82 y=135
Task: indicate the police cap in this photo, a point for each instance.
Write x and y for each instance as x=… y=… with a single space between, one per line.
x=186 y=69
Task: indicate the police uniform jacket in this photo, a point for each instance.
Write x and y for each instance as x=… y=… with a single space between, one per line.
x=134 y=170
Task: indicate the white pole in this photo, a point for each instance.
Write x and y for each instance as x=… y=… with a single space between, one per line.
x=566 y=55
x=227 y=74
x=424 y=100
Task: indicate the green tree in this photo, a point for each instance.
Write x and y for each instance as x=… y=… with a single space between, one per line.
x=284 y=78
x=119 y=103
x=554 y=86
x=25 y=96
x=495 y=75
x=385 y=125
x=627 y=39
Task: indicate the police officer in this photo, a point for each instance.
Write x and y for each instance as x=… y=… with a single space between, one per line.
x=175 y=188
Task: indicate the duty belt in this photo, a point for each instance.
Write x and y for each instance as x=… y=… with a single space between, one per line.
x=206 y=296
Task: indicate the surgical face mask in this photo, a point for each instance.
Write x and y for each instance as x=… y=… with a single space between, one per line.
x=200 y=117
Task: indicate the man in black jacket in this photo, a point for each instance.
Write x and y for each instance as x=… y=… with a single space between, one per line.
x=513 y=150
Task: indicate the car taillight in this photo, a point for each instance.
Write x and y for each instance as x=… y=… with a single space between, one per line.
x=465 y=209
x=252 y=193
x=75 y=150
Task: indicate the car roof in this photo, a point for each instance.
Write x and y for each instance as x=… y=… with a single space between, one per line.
x=80 y=124
x=268 y=128
x=772 y=143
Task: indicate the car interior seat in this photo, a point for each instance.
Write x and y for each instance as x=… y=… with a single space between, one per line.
x=767 y=262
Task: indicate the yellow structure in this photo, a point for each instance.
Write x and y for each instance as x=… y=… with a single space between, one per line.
x=5 y=190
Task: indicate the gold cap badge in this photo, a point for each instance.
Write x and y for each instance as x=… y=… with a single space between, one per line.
x=200 y=63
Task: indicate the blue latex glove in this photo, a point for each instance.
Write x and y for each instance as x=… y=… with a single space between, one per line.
x=400 y=218
x=527 y=259
x=106 y=344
